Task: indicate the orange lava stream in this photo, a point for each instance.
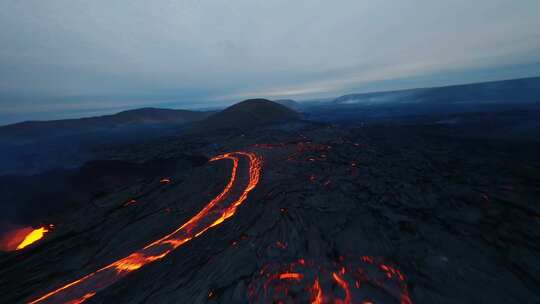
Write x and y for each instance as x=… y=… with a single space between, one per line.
x=345 y=286
x=301 y=282
x=82 y=299
x=214 y=213
x=290 y=276
x=33 y=237
x=318 y=293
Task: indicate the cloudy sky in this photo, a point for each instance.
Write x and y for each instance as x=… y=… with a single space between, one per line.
x=64 y=58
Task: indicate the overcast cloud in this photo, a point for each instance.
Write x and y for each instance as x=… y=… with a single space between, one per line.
x=70 y=57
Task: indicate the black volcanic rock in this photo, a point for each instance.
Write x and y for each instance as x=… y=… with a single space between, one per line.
x=58 y=191
x=248 y=114
x=456 y=217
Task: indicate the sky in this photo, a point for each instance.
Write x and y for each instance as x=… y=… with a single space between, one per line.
x=72 y=58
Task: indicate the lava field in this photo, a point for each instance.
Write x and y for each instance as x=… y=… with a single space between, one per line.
x=311 y=214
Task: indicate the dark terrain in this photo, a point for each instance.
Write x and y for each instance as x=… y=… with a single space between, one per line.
x=34 y=147
x=425 y=208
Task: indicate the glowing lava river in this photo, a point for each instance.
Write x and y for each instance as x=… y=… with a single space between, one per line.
x=219 y=209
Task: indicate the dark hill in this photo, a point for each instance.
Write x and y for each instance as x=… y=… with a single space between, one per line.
x=37 y=146
x=289 y=103
x=143 y=116
x=248 y=114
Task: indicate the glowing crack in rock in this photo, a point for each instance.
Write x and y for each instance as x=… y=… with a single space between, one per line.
x=359 y=280
x=165 y=181
x=219 y=209
x=290 y=275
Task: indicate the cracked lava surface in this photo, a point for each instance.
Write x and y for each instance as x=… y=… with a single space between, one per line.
x=354 y=280
x=379 y=215
x=214 y=213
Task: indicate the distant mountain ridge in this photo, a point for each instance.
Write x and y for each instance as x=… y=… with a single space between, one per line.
x=289 y=103
x=142 y=116
x=515 y=90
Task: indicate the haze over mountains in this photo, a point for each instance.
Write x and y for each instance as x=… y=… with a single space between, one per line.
x=36 y=146
x=130 y=118
x=496 y=97
x=515 y=90
x=289 y=103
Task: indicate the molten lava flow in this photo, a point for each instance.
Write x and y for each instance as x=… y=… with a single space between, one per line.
x=317 y=293
x=214 y=213
x=344 y=281
x=82 y=299
x=344 y=285
x=32 y=237
x=290 y=276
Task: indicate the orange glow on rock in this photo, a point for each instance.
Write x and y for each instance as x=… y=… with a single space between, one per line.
x=130 y=202
x=317 y=293
x=219 y=209
x=82 y=299
x=319 y=281
x=345 y=286
x=32 y=237
x=290 y=276
x=165 y=181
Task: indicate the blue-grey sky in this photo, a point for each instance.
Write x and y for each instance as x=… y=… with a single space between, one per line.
x=64 y=58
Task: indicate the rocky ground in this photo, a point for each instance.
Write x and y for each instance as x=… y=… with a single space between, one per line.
x=341 y=214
